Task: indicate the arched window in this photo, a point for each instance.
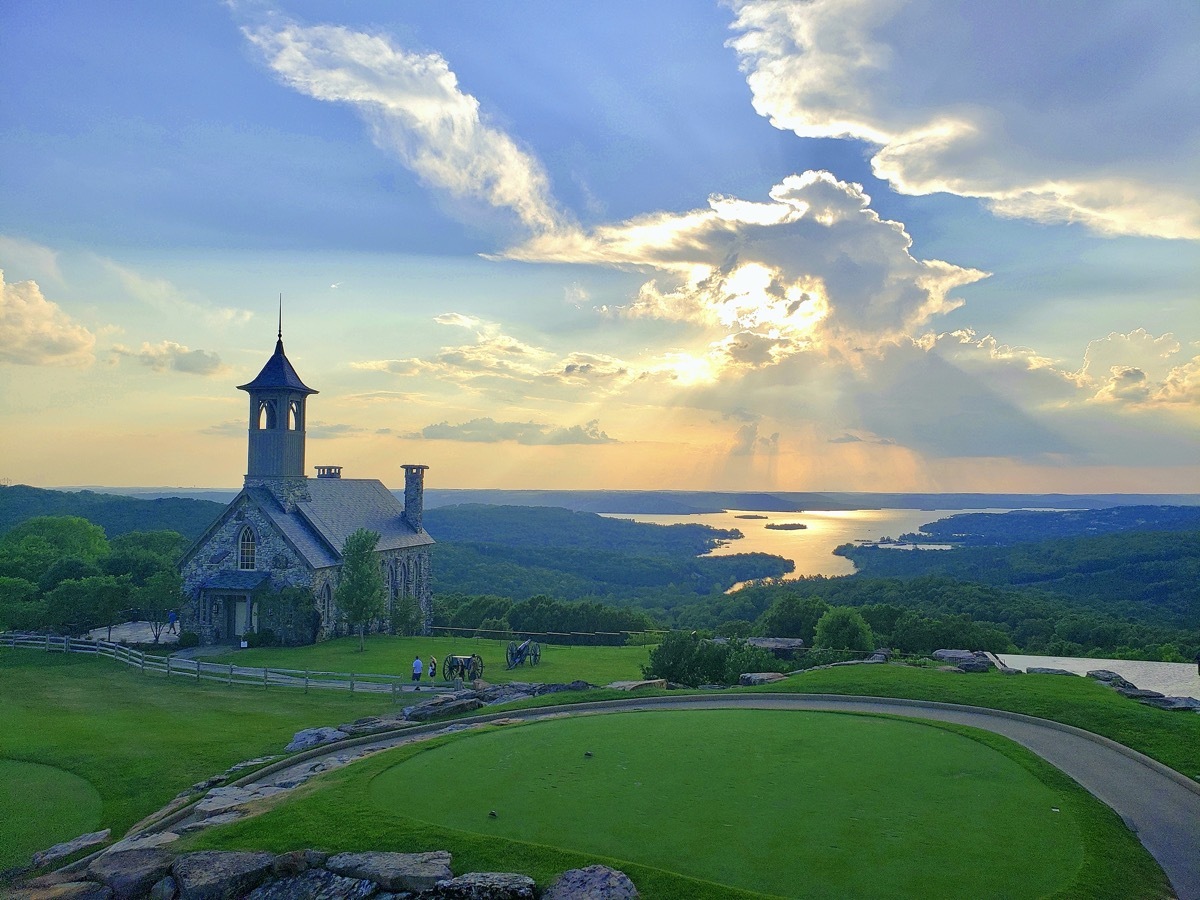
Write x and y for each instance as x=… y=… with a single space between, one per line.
x=246 y=549
x=295 y=422
x=327 y=605
x=265 y=419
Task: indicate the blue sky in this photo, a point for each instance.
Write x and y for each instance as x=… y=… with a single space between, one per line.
x=865 y=244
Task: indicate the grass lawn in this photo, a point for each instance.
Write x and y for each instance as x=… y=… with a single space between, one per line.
x=1172 y=738
x=727 y=803
x=390 y=655
x=112 y=745
x=39 y=805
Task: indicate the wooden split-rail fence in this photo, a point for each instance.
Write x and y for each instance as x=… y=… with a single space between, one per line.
x=198 y=670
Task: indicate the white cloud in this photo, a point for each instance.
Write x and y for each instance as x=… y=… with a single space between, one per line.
x=487 y=430
x=170 y=356
x=415 y=108
x=163 y=295
x=35 y=331
x=1043 y=114
x=32 y=256
x=813 y=259
x=1139 y=369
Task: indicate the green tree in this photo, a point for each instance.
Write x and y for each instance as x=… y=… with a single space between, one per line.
x=359 y=593
x=793 y=616
x=20 y=608
x=77 y=606
x=843 y=628
x=162 y=592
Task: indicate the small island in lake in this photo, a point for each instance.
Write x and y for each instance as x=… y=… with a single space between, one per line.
x=750 y=516
x=785 y=526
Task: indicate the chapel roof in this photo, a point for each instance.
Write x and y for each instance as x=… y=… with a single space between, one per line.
x=318 y=527
x=276 y=374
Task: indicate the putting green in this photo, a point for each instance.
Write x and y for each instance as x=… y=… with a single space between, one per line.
x=41 y=806
x=786 y=803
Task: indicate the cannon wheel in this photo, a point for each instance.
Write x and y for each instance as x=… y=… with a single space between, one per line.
x=535 y=653
x=511 y=654
x=475 y=668
x=447 y=671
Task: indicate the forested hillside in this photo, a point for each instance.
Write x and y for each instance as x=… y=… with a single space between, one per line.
x=1143 y=576
x=521 y=551
x=1023 y=525
x=117 y=515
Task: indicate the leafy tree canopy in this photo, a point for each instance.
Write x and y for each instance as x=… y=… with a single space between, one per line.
x=359 y=593
x=843 y=628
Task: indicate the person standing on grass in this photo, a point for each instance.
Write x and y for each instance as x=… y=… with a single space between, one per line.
x=432 y=668
x=417 y=667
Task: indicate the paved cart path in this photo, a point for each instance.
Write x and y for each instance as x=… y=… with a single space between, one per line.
x=1159 y=805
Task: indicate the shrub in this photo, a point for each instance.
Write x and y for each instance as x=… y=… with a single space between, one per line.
x=692 y=660
x=843 y=628
x=188 y=639
x=263 y=637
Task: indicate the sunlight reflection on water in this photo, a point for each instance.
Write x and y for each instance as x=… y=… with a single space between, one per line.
x=811 y=548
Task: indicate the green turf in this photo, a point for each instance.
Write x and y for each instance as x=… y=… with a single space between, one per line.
x=48 y=804
x=729 y=803
x=137 y=739
x=389 y=655
x=1171 y=737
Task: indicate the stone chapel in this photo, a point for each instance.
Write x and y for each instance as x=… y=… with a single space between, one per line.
x=285 y=529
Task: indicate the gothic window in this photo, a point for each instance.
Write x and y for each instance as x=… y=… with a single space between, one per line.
x=246 y=549
x=265 y=417
x=294 y=416
x=327 y=605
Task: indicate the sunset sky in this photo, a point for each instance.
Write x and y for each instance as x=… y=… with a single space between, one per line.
x=835 y=245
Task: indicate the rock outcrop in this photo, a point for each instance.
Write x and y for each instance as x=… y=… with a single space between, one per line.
x=155 y=874
x=591 y=883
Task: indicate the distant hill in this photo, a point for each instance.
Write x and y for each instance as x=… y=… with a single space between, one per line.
x=117 y=514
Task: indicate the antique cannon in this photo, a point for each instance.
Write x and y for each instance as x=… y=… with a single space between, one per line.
x=518 y=655
x=468 y=668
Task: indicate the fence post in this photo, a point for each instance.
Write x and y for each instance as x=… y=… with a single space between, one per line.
x=143 y=652
x=197 y=670
x=306 y=681
x=47 y=642
x=352 y=682
x=230 y=679
x=168 y=668
x=264 y=678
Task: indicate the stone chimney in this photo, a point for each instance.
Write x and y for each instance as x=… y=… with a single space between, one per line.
x=414 y=495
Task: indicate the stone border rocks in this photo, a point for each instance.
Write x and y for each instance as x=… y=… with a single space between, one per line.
x=156 y=874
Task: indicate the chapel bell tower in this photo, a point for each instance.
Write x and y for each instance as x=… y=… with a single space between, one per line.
x=277 y=417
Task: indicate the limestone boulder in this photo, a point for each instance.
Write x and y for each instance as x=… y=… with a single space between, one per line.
x=638 y=685
x=1112 y=679
x=486 y=886
x=975 y=665
x=1172 y=702
x=131 y=873
x=439 y=707
x=750 y=679
x=1045 y=670
x=69 y=848
x=220 y=875
x=394 y=871
x=315 y=737
x=65 y=890
x=591 y=883
x=316 y=884
x=953 y=656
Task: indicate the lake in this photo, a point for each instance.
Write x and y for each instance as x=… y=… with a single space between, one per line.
x=1172 y=679
x=811 y=548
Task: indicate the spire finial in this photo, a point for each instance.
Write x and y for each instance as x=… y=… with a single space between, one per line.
x=281 y=317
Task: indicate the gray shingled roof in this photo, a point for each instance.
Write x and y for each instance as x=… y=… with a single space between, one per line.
x=236 y=580
x=318 y=528
x=277 y=373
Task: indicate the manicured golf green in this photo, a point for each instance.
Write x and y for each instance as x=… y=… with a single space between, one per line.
x=49 y=803
x=784 y=803
x=129 y=742
x=390 y=655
